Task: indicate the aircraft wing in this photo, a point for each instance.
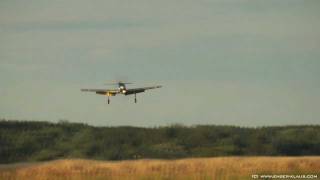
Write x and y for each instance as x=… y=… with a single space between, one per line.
x=140 y=90
x=102 y=91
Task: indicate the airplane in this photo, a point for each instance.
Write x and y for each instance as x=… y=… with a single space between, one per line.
x=121 y=90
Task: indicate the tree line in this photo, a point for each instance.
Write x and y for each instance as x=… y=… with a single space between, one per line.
x=28 y=141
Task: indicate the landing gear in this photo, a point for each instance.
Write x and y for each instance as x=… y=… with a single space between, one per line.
x=108 y=100
x=135 y=98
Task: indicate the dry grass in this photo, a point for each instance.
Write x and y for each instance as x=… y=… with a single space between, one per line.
x=200 y=168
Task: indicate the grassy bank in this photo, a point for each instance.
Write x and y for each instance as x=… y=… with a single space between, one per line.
x=198 y=168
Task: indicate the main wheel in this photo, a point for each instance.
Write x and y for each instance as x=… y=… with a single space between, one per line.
x=135 y=98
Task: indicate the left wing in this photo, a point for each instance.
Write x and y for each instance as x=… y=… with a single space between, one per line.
x=140 y=90
x=102 y=91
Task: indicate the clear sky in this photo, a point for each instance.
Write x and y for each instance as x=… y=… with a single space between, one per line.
x=231 y=62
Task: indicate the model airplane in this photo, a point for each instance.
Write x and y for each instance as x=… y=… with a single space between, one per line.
x=121 y=90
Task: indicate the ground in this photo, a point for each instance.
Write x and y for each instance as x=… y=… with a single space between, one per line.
x=195 y=168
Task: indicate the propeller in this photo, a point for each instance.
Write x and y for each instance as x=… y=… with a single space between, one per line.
x=116 y=83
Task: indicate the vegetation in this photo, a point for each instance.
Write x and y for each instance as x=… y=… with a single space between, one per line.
x=25 y=141
x=222 y=168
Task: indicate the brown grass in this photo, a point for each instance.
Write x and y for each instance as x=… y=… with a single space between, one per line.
x=200 y=168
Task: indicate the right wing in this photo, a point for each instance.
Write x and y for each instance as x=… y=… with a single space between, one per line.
x=140 y=90
x=102 y=91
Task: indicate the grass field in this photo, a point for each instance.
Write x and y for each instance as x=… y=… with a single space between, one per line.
x=198 y=168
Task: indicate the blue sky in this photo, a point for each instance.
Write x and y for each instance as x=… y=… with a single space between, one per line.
x=234 y=62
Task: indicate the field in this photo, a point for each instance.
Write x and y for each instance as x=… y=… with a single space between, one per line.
x=197 y=168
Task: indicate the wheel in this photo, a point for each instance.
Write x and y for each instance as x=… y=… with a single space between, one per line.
x=135 y=98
